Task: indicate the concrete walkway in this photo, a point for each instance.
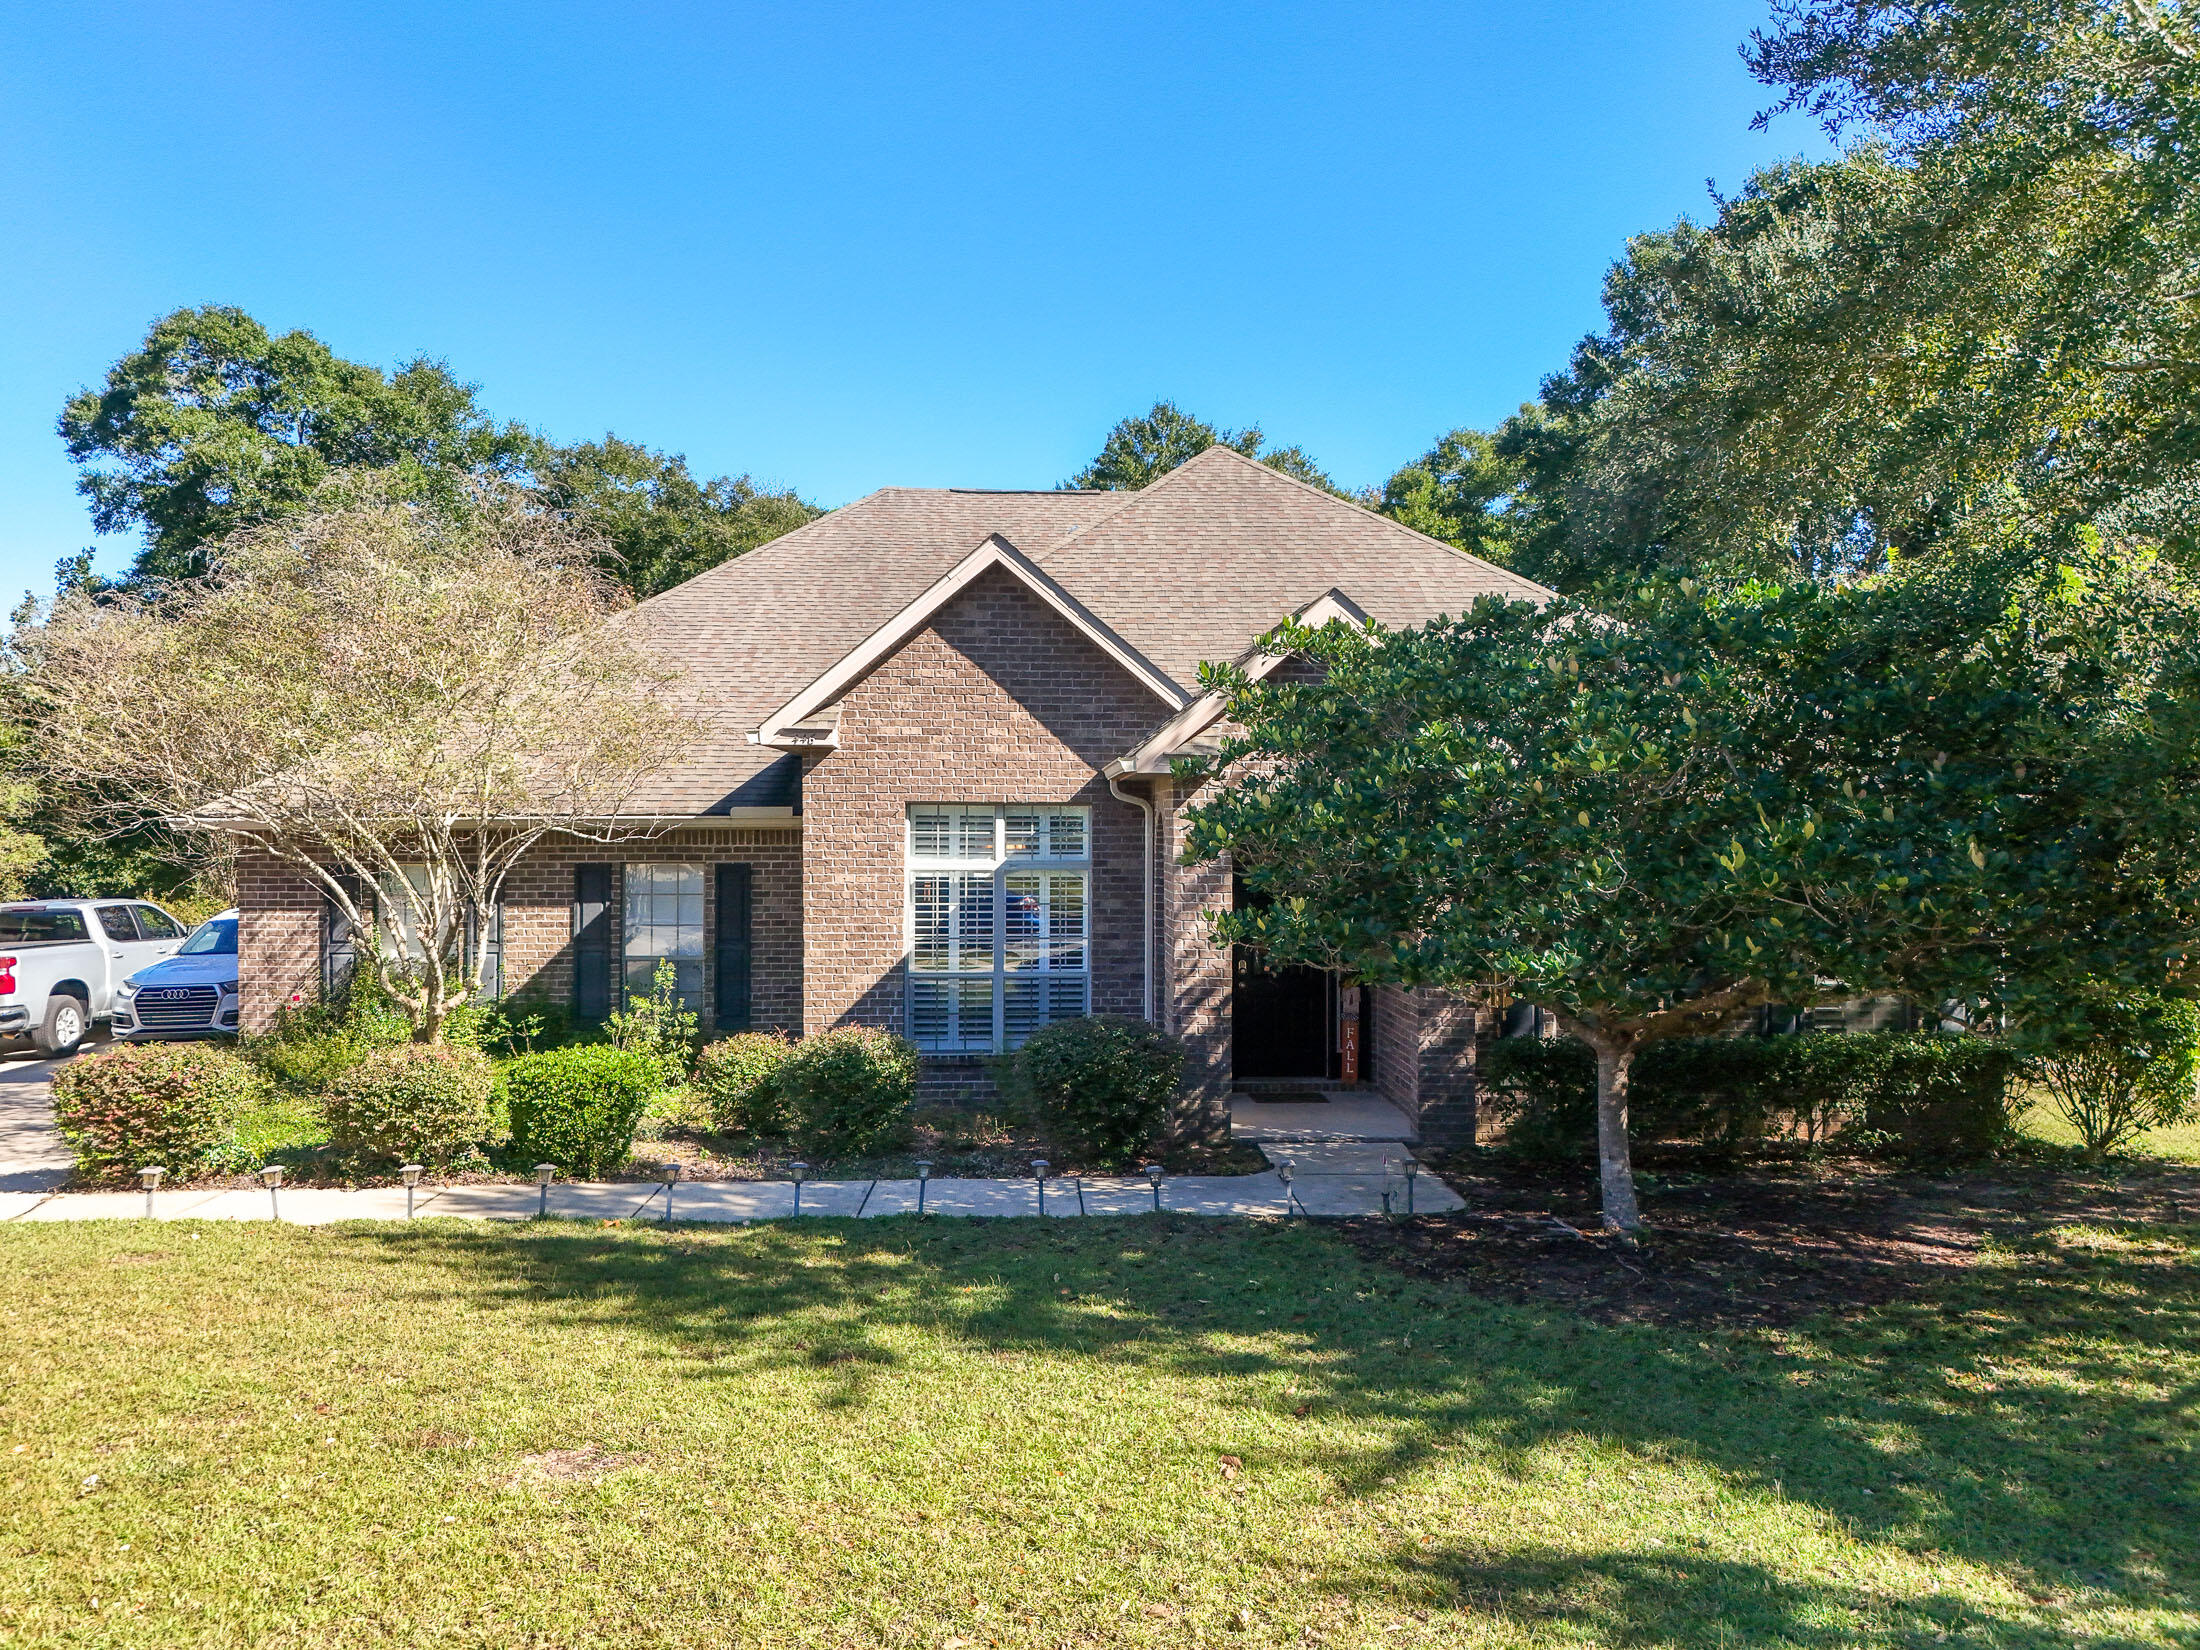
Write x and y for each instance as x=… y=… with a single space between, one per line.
x=1312 y=1114
x=1333 y=1188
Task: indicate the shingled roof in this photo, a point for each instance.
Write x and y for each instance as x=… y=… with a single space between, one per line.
x=1190 y=569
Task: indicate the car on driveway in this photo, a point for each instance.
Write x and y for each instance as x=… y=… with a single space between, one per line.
x=61 y=961
x=191 y=994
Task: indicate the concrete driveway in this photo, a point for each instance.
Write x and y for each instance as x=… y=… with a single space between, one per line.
x=32 y=1155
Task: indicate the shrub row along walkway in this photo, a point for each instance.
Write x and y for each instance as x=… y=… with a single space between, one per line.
x=1326 y=1180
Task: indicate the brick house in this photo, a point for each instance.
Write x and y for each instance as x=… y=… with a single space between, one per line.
x=934 y=790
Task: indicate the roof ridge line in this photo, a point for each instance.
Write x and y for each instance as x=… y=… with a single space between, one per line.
x=1354 y=504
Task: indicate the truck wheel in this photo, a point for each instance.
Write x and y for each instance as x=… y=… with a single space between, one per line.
x=63 y=1030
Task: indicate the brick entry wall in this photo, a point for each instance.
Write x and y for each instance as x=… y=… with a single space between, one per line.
x=998 y=700
x=1195 y=995
x=1425 y=1045
x=280 y=939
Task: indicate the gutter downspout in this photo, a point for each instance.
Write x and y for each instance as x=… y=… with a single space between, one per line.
x=1145 y=900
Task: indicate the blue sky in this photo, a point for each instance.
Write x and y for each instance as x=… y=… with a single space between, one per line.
x=843 y=246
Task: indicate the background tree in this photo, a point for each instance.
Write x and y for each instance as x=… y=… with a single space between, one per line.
x=1987 y=304
x=661 y=525
x=1147 y=446
x=304 y=697
x=213 y=424
x=1459 y=491
x=1976 y=786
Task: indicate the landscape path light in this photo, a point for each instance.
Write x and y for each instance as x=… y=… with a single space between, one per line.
x=1039 y=1173
x=544 y=1174
x=272 y=1177
x=410 y=1174
x=924 y=1174
x=1283 y=1173
x=799 y=1170
x=149 y=1178
x=672 y=1179
x=1153 y=1173
x=1412 y=1167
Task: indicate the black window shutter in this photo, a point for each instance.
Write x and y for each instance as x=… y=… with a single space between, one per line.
x=339 y=939
x=733 y=1010
x=488 y=939
x=591 y=941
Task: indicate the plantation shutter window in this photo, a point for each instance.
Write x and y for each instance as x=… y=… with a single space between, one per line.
x=486 y=941
x=591 y=941
x=733 y=1010
x=998 y=901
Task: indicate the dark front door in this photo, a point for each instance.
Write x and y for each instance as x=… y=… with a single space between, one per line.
x=1280 y=1018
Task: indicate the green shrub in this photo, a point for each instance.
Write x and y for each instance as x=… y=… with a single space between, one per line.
x=416 y=1103
x=848 y=1090
x=139 y=1104
x=739 y=1077
x=577 y=1107
x=1098 y=1088
x=1921 y=1096
x=2122 y=1065
x=1937 y=1096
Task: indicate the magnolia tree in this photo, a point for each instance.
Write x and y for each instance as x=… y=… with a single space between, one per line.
x=398 y=701
x=1978 y=785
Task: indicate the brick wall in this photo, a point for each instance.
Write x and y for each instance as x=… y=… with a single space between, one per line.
x=280 y=938
x=1425 y=1047
x=1195 y=999
x=538 y=914
x=998 y=700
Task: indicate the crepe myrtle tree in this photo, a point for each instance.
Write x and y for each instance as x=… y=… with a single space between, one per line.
x=1974 y=784
x=398 y=700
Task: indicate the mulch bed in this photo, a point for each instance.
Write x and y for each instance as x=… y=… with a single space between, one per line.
x=1763 y=1245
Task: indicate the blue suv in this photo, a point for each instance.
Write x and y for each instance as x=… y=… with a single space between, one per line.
x=191 y=994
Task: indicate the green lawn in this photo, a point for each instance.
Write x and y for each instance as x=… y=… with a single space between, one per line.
x=1146 y=1432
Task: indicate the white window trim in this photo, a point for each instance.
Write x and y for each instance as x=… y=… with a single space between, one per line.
x=999 y=866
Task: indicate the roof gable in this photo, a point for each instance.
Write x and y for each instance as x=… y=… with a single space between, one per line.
x=784 y=726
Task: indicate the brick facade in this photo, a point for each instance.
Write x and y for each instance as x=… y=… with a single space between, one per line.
x=280 y=943
x=999 y=699
x=1425 y=1047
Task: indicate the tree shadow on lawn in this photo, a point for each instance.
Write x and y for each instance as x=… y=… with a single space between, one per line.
x=2035 y=1415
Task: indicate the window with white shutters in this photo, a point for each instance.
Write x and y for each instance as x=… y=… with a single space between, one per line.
x=999 y=925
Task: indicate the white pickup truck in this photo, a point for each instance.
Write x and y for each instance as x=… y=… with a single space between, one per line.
x=61 y=959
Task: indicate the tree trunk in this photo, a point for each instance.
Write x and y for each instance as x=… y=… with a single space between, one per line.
x=1614 y=1167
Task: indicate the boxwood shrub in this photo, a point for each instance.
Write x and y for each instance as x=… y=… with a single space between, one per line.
x=848 y=1090
x=739 y=1077
x=1098 y=1088
x=577 y=1107
x=415 y=1103
x=138 y=1104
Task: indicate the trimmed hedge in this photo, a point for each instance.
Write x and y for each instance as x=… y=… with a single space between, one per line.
x=577 y=1107
x=849 y=1090
x=416 y=1103
x=139 y=1104
x=739 y=1077
x=1098 y=1088
x=1923 y=1096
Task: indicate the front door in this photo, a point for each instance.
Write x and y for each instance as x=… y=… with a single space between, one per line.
x=1280 y=1018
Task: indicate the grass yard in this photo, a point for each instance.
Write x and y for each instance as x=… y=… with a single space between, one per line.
x=1142 y=1432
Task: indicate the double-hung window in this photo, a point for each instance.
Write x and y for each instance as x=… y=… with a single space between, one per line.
x=664 y=923
x=999 y=925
